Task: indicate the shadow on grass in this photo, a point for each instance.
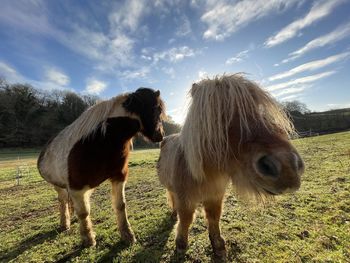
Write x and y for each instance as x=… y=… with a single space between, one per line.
x=153 y=244
x=156 y=240
x=28 y=244
x=71 y=255
x=113 y=251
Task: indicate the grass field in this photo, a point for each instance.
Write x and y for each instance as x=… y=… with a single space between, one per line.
x=312 y=225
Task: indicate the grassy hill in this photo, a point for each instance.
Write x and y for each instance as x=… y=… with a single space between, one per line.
x=312 y=225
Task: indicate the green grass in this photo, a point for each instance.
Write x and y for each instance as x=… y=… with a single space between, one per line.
x=312 y=225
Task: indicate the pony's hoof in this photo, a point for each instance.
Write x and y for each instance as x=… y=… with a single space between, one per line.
x=128 y=237
x=89 y=242
x=219 y=247
x=181 y=245
x=64 y=228
x=220 y=255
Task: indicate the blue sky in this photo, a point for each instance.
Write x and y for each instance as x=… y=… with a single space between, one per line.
x=295 y=49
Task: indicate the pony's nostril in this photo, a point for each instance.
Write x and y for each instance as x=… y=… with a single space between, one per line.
x=267 y=166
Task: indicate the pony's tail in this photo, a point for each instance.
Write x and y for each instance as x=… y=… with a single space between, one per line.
x=166 y=165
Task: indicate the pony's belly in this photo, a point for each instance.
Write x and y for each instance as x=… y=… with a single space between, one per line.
x=54 y=171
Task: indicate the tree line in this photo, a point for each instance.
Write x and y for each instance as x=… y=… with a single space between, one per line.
x=317 y=122
x=30 y=117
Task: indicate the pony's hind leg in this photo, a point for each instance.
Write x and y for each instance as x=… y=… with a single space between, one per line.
x=213 y=209
x=81 y=204
x=185 y=215
x=63 y=199
x=119 y=206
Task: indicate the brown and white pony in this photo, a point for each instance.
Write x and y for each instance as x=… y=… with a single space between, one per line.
x=95 y=147
x=234 y=132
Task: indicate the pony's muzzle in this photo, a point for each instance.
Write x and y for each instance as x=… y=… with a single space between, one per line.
x=275 y=165
x=280 y=172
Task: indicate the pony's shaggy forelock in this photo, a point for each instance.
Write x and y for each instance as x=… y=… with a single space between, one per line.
x=215 y=104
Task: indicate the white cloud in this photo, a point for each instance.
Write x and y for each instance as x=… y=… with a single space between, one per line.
x=135 y=74
x=26 y=15
x=318 y=11
x=224 y=18
x=57 y=77
x=95 y=86
x=238 y=58
x=9 y=73
x=6 y=69
x=174 y=54
x=338 y=34
x=108 y=52
x=169 y=71
x=185 y=27
x=293 y=90
x=303 y=80
x=310 y=66
x=111 y=50
x=202 y=74
x=128 y=15
x=171 y=40
x=290 y=97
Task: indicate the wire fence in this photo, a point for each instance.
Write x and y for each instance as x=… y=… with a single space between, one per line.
x=18 y=168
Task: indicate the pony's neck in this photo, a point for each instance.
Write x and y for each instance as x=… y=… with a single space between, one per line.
x=122 y=128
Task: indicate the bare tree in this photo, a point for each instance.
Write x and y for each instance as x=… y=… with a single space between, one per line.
x=295 y=107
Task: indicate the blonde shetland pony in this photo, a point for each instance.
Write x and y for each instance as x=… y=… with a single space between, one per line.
x=234 y=131
x=94 y=148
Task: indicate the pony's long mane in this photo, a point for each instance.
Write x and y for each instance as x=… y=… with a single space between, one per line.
x=89 y=120
x=218 y=103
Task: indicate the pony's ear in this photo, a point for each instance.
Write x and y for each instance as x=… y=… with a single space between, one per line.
x=157 y=93
x=194 y=88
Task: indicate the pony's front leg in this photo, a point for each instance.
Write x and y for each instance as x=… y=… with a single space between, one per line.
x=81 y=203
x=63 y=199
x=119 y=206
x=185 y=215
x=213 y=209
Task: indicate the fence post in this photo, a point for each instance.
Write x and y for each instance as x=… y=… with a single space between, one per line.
x=18 y=171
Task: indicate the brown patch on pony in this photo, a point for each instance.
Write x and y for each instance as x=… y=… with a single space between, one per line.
x=102 y=156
